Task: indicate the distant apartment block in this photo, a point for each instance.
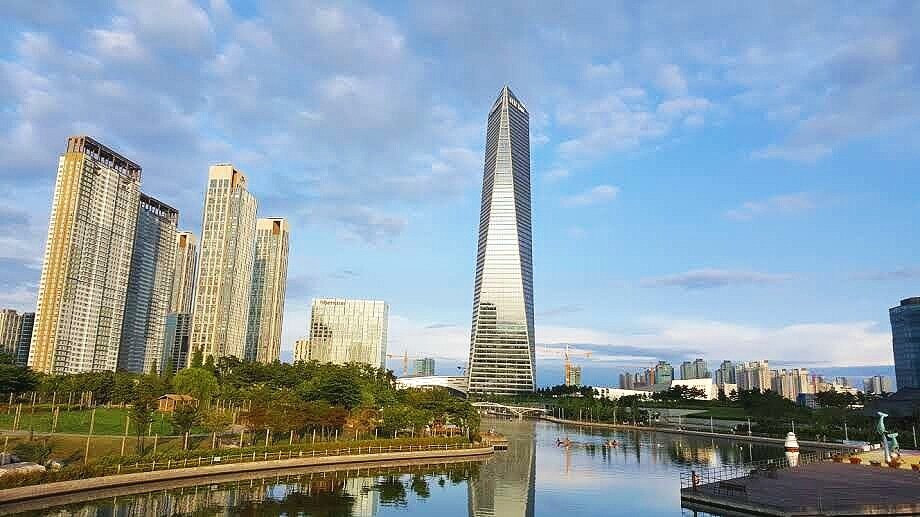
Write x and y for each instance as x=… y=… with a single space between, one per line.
x=84 y=280
x=726 y=373
x=302 y=350
x=877 y=385
x=25 y=338
x=220 y=314
x=905 y=339
x=754 y=375
x=423 y=367
x=177 y=340
x=183 y=282
x=10 y=324
x=150 y=285
x=572 y=376
x=344 y=331
x=694 y=370
x=266 y=298
x=791 y=383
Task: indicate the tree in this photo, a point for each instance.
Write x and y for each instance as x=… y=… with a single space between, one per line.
x=142 y=408
x=340 y=389
x=197 y=382
x=183 y=418
x=154 y=370
x=197 y=358
x=16 y=379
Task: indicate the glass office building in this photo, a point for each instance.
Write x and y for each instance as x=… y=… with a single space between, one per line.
x=149 y=287
x=348 y=331
x=502 y=335
x=176 y=340
x=905 y=334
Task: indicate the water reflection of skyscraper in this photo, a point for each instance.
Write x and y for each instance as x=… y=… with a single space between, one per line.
x=505 y=484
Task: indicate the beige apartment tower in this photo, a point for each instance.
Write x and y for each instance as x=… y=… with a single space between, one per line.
x=266 y=300
x=81 y=296
x=10 y=324
x=220 y=313
x=183 y=281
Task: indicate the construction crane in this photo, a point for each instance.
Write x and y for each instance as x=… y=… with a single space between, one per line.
x=572 y=375
x=405 y=361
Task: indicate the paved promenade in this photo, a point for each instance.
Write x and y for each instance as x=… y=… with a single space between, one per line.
x=824 y=488
x=49 y=494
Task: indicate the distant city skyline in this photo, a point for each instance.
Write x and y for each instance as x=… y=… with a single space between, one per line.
x=691 y=197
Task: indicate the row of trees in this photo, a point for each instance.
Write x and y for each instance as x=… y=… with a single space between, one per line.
x=352 y=400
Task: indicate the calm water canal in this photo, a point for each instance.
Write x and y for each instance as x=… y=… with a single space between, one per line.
x=533 y=478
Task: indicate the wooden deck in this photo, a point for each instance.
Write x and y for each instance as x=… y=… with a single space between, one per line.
x=813 y=489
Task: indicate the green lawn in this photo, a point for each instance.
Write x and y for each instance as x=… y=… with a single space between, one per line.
x=108 y=421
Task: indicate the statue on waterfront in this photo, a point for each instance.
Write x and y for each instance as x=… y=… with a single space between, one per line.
x=889 y=440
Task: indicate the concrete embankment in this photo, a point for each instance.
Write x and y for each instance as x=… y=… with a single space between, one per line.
x=727 y=436
x=64 y=492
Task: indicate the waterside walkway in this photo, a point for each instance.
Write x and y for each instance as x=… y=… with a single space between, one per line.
x=821 y=488
x=10 y=499
x=727 y=436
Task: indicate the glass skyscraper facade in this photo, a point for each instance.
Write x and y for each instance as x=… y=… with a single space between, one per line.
x=147 y=302
x=905 y=334
x=183 y=283
x=176 y=340
x=348 y=331
x=502 y=336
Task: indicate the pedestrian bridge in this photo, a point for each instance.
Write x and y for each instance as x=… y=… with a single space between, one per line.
x=518 y=411
x=456 y=384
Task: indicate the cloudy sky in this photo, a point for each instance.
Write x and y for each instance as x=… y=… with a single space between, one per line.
x=733 y=180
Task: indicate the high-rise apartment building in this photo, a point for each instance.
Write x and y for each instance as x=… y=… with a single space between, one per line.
x=423 y=367
x=502 y=336
x=10 y=324
x=25 y=338
x=905 y=334
x=627 y=381
x=302 y=350
x=176 y=341
x=349 y=331
x=726 y=373
x=877 y=385
x=81 y=296
x=221 y=309
x=266 y=299
x=150 y=284
x=755 y=375
x=183 y=281
x=663 y=374
x=791 y=383
x=694 y=370
x=572 y=375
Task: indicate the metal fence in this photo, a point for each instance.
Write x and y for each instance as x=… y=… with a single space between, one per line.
x=717 y=479
x=248 y=457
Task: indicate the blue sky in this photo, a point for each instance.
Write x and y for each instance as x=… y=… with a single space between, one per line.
x=727 y=180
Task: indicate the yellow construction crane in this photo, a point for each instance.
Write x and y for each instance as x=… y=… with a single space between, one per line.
x=405 y=361
x=572 y=373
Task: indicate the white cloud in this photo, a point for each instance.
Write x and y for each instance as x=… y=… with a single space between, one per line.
x=556 y=174
x=710 y=278
x=786 y=204
x=118 y=45
x=592 y=196
x=671 y=80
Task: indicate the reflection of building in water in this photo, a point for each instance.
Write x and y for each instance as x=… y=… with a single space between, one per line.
x=366 y=498
x=505 y=485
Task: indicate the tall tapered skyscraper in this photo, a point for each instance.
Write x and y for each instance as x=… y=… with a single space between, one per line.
x=502 y=337
x=183 y=282
x=153 y=263
x=221 y=310
x=266 y=300
x=81 y=296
